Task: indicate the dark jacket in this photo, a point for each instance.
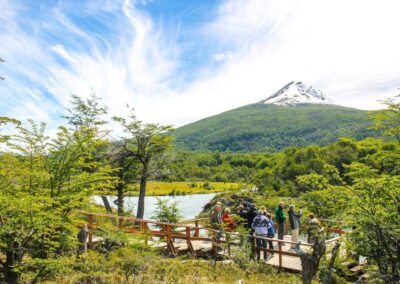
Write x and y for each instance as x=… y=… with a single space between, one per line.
x=215 y=218
x=253 y=213
x=294 y=219
x=280 y=215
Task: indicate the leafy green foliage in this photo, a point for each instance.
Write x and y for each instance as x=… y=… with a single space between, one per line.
x=389 y=119
x=147 y=144
x=42 y=181
x=166 y=212
x=261 y=127
x=374 y=208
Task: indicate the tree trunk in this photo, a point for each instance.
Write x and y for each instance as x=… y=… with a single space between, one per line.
x=328 y=275
x=106 y=204
x=120 y=198
x=12 y=277
x=310 y=262
x=142 y=192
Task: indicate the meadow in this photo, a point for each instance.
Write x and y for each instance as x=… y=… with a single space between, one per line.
x=185 y=187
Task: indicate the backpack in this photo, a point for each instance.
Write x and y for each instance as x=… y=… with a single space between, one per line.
x=271 y=229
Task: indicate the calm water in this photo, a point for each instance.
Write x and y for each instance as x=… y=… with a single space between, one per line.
x=189 y=205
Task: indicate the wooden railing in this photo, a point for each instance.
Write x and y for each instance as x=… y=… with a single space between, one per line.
x=170 y=232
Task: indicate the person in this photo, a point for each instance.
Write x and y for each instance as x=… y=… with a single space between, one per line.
x=260 y=225
x=228 y=220
x=271 y=230
x=251 y=215
x=216 y=219
x=264 y=210
x=294 y=219
x=246 y=204
x=82 y=238
x=280 y=218
x=312 y=229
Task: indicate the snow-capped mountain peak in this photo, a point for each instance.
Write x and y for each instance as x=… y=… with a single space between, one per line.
x=296 y=93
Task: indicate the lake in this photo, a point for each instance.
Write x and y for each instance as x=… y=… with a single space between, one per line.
x=189 y=205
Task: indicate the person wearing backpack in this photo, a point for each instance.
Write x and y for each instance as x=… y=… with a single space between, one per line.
x=271 y=231
x=260 y=226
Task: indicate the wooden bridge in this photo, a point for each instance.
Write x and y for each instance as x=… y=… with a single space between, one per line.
x=200 y=241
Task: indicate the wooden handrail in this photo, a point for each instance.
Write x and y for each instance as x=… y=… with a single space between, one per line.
x=133 y=219
x=332 y=240
x=282 y=241
x=185 y=221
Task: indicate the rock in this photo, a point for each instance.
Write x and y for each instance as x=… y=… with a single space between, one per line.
x=207 y=207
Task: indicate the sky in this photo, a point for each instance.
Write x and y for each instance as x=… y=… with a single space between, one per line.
x=177 y=61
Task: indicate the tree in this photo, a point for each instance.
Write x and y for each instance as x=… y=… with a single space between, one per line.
x=329 y=203
x=389 y=120
x=166 y=212
x=375 y=211
x=42 y=181
x=148 y=143
x=124 y=161
x=311 y=182
x=6 y=120
x=85 y=116
x=310 y=261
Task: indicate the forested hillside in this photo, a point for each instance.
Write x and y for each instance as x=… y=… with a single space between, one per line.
x=266 y=127
x=286 y=172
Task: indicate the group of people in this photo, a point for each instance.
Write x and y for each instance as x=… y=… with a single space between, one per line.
x=260 y=223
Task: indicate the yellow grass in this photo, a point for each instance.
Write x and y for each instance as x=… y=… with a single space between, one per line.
x=184 y=187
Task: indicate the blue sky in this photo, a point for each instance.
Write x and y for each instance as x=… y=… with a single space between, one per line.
x=177 y=61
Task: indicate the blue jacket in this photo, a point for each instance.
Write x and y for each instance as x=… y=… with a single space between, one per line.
x=271 y=228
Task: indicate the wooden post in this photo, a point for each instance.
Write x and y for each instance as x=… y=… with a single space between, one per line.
x=196 y=232
x=90 y=228
x=280 y=253
x=170 y=243
x=188 y=242
x=213 y=240
x=143 y=226
x=169 y=233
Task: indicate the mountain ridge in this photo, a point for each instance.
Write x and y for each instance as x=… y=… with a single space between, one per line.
x=296 y=115
x=269 y=128
x=295 y=93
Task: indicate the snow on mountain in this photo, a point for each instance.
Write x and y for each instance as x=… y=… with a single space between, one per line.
x=296 y=93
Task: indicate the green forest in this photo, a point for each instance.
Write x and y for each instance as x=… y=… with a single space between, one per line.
x=47 y=180
x=266 y=127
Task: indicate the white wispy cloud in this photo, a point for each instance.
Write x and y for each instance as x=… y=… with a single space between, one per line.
x=137 y=66
x=120 y=51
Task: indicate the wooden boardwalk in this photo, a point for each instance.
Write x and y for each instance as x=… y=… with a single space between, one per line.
x=198 y=240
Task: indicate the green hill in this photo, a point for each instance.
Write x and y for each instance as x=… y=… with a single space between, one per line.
x=266 y=127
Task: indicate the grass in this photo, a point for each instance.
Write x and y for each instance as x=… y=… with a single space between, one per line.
x=184 y=187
